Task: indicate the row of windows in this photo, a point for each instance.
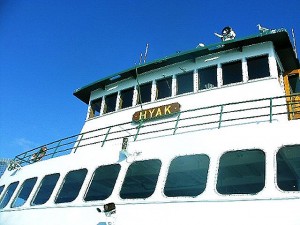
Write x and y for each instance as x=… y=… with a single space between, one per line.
x=258 y=67
x=240 y=172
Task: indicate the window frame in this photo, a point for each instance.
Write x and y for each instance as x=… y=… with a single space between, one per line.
x=276 y=169
x=214 y=66
x=128 y=179
x=200 y=157
x=164 y=82
x=258 y=57
x=92 y=181
x=242 y=151
x=235 y=61
x=41 y=184
x=14 y=202
x=64 y=186
x=185 y=74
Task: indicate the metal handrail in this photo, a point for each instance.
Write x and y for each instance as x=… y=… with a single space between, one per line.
x=197 y=120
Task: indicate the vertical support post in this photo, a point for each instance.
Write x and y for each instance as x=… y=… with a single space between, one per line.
x=220 y=118
x=138 y=130
x=105 y=136
x=271 y=107
x=176 y=125
x=78 y=143
x=56 y=149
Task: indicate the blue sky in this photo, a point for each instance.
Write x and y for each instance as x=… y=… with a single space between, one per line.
x=48 y=48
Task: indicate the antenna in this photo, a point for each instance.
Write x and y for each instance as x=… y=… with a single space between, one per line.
x=294 y=40
x=146 y=53
x=139 y=88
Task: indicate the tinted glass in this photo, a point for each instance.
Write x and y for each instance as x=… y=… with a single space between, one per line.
x=144 y=93
x=185 y=82
x=187 y=176
x=96 y=106
x=45 y=190
x=71 y=186
x=164 y=87
x=241 y=172
x=258 y=67
x=8 y=194
x=24 y=192
x=141 y=179
x=103 y=182
x=288 y=168
x=126 y=98
x=232 y=72
x=110 y=102
x=294 y=81
x=207 y=77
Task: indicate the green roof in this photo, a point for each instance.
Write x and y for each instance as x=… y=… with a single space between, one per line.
x=280 y=39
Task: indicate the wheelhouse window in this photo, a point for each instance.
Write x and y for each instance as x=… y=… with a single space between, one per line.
x=288 y=165
x=110 y=103
x=140 y=180
x=258 y=67
x=232 y=72
x=187 y=176
x=164 y=88
x=126 y=97
x=24 y=192
x=144 y=93
x=103 y=182
x=95 y=108
x=207 y=77
x=45 y=190
x=8 y=194
x=185 y=82
x=71 y=186
x=241 y=172
x=294 y=81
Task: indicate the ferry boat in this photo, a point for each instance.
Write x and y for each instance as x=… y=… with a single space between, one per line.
x=207 y=136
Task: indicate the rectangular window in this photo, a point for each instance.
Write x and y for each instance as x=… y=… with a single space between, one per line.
x=258 y=67
x=241 y=172
x=144 y=92
x=8 y=194
x=71 y=186
x=207 y=77
x=45 y=190
x=288 y=164
x=187 y=176
x=126 y=97
x=164 y=88
x=185 y=82
x=232 y=72
x=110 y=103
x=103 y=183
x=294 y=81
x=95 y=107
x=140 y=180
x=24 y=192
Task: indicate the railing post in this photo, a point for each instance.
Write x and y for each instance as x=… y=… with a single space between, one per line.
x=105 y=137
x=56 y=149
x=220 y=118
x=271 y=106
x=138 y=130
x=176 y=125
x=78 y=143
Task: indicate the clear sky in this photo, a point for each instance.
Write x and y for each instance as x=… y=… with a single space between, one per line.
x=48 y=48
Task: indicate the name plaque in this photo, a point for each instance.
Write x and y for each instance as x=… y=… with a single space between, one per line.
x=157 y=112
